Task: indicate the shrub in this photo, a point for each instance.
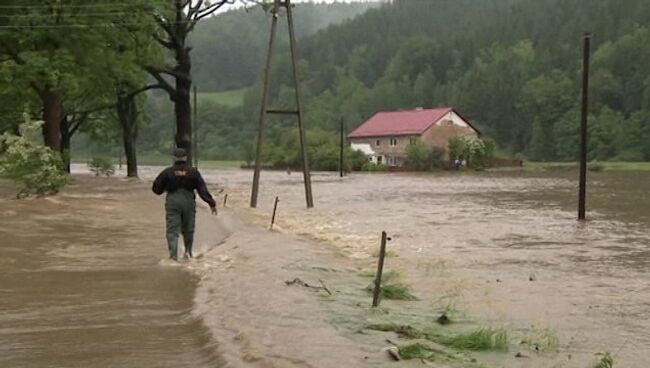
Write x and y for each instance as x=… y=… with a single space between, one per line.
x=371 y=166
x=355 y=159
x=478 y=153
x=595 y=166
x=422 y=158
x=101 y=165
x=38 y=169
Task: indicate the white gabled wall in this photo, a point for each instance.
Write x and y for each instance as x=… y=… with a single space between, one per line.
x=454 y=118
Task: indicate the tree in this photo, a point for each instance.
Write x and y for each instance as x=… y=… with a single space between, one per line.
x=175 y=25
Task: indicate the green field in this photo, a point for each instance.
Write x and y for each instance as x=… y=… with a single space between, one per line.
x=232 y=98
x=606 y=166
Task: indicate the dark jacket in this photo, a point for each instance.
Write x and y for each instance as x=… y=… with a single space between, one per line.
x=182 y=175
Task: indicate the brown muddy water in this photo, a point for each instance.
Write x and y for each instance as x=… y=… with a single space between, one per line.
x=91 y=293
x=80 y=284
x=502 y=247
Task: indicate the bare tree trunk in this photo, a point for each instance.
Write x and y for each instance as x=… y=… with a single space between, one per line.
x=66 y=138
x=182 y=104
x=52 y=112
x=128 y=114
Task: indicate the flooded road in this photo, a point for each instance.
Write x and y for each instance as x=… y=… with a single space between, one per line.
x=80 y=284
x=503 y=248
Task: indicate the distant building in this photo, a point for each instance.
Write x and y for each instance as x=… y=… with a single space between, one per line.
x=385 y=136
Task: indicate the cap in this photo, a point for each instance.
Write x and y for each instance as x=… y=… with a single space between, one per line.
x=179 y=154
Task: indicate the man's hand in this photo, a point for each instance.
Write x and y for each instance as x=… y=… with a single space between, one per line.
x=213 y=210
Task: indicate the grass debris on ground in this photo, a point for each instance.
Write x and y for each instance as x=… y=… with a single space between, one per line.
x=483 y=339
x=607 y=361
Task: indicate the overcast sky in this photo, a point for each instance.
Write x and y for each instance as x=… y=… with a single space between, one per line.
x=238 y=4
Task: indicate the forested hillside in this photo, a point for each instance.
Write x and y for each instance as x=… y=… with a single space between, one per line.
x=229 y=49
x=511 y=66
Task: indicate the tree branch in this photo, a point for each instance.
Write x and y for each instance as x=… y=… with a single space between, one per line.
x=164 y=24
x=208 y=10
x=143 y=89
x=156 y=74
x=165 y=44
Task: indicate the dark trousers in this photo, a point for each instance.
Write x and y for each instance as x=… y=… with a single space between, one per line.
x=180 y=209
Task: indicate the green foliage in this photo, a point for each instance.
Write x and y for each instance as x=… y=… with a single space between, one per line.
x=476 y=152
x=102 y=165
x=36 y=168
x=373 y=167
x=423 y=158
x=479 y=340
x=607 y=361
x=595 y=166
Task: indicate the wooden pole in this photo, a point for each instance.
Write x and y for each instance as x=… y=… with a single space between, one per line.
x=583 y=128
x=225 y=200
x=275 y=208
x=301 y=126
x=195 y=150
x=380 y=270
x=341 y=152
x=265 y=98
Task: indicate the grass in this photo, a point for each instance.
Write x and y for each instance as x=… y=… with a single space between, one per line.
x=405 y=331
x=542 y=339
x=231 y=98
x=392 y=287
x=605 y=362
x=484 y=339
x=393 y=291
x=593 y=165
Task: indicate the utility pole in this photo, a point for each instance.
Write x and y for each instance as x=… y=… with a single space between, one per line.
x=264 y=111
x=341 y=151
x=583 y=128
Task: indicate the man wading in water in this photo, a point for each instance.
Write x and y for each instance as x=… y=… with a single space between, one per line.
x=180 y=181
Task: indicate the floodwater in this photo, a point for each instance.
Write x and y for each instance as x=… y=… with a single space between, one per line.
x=80 y=284
x=502 y=247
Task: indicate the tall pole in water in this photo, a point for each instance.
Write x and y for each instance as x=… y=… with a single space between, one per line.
x=299 y=112
x=301 y=125
x=195 y=149
x=265 y=98
x=583 y=128
x=341 y=151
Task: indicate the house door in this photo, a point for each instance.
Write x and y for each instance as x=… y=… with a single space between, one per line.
x=379 y=159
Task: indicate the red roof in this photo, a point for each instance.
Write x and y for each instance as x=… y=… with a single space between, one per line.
x=411 y=122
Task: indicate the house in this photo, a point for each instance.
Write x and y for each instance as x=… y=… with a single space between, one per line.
x=385 y=136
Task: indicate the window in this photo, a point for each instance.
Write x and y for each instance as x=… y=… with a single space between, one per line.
x=393 y=142
x=413 y=140
x=377 y=143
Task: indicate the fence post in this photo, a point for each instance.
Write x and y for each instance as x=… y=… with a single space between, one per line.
x=380 y=269
x=275 y=207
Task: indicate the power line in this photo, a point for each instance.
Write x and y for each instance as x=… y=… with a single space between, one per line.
x=60 y=6
x=63 y=15
x=101 y=25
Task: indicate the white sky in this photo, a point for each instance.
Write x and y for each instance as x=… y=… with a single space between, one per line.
x=239 y=4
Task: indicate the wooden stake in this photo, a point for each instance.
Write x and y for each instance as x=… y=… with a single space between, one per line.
x=225 y=200
x=380 y=269
x=275 y=208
